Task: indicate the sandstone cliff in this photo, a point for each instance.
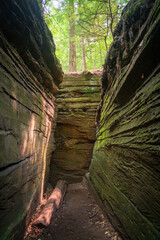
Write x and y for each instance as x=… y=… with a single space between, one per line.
x=77 y=102
x=30 y=74
x=124 y=172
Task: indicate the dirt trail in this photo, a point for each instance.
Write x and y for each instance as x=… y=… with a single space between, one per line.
x=79 y=218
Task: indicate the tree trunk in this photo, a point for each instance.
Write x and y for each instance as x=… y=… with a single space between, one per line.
x=100 y=52
x=105 y=41
x=52 y=204
x=72 y=46
x=83 y=56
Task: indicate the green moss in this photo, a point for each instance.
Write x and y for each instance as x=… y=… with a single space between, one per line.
x=12 y=236
x=79 y=99
x=156 y=11
x=136 y=225
x=91 y=90
x=132 y=8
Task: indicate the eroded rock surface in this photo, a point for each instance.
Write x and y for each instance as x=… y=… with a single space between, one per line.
x=125 y=167
x=75 y=132
x=30 y=74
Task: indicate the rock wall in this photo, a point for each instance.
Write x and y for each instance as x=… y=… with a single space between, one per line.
x=125 y=169
x=75 y=132
x=30 y=74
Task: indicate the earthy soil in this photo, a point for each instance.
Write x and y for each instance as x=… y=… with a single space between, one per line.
x=79 y=218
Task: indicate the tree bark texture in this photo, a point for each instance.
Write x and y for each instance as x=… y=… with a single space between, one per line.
x=83 y=55
x=52 y=204
x=72 y=46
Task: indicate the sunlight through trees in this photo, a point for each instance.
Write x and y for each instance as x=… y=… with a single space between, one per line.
x=82 y=30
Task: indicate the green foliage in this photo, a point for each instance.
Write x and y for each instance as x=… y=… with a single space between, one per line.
x=94 y=22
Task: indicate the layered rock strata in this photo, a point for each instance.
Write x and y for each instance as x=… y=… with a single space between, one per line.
x=125 y=169
x=30 y=74
x=75 y=132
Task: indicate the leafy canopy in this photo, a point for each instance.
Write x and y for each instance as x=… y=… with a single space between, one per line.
x=94 y=21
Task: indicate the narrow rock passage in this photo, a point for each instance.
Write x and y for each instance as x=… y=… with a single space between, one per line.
x=79 y=218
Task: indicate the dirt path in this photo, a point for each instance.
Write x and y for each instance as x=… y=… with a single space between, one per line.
x=79 y=218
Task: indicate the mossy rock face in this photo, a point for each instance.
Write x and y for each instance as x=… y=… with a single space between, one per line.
x=32 y=40
x=125 y=170
x=77 y=102
x=30 y=74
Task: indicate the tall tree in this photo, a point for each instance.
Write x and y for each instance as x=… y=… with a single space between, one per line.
x=83 y=55
x=71 y=21
x=72 y=46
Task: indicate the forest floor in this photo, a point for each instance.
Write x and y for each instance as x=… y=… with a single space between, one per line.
x=78 y=218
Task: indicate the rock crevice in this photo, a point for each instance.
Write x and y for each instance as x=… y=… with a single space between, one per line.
x=77 y=102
